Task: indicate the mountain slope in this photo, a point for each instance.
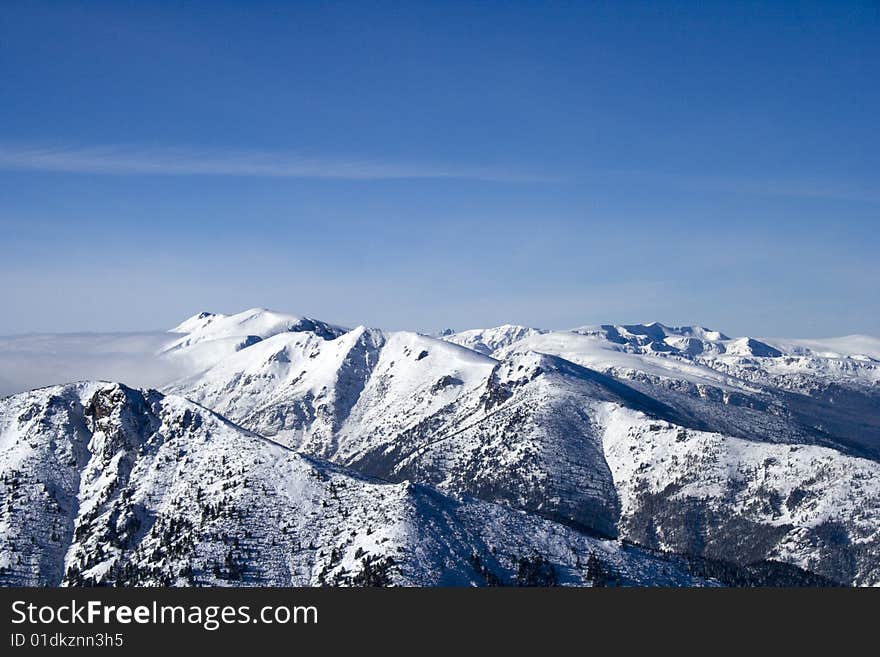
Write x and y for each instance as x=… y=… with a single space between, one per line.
x=758 y=453
x=526 y=437
x=306 y=391
x=488 y=341
x=734 y=386
x=105 y=484
x=207 y=338
x=702 y=493
x=406 y=406
x=528 y=431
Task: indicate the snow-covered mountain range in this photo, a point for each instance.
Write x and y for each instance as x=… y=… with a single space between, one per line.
x=287 y=450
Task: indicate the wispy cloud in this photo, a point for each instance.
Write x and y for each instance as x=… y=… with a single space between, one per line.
x=135 y=160
x=815 y=187
x=124 y=159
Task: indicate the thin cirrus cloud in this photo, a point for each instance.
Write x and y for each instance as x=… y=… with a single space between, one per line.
x=133 y=160
x=139 y=160
x=798 y=187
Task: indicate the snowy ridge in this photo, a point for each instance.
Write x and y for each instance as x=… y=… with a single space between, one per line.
x=105 y=484
x=257 y=322
x=741 y=386
x=302 y=389
x=488 y=341
x=526 y=427
x=196 y=323
x=406 y=406
x=208 y=338
x=533 y=452
x=690 y=491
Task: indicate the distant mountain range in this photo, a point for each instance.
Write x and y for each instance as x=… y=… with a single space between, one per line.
x=283 y=450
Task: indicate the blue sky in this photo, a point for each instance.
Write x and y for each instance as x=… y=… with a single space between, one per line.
x=424 y=165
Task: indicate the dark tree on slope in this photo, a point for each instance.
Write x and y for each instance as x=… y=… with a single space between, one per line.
x=374 y=572
x=536 y=571
x=599 y=573
x=490 y=578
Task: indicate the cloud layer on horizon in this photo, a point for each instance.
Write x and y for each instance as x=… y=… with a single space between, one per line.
x=33 y=361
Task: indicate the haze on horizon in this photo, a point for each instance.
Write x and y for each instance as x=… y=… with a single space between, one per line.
x=422 y=166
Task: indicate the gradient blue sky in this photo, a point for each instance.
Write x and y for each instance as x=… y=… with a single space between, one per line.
x=420 y=165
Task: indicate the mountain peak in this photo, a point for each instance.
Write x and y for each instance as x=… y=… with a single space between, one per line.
x=486 y=341
x=196 y=322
